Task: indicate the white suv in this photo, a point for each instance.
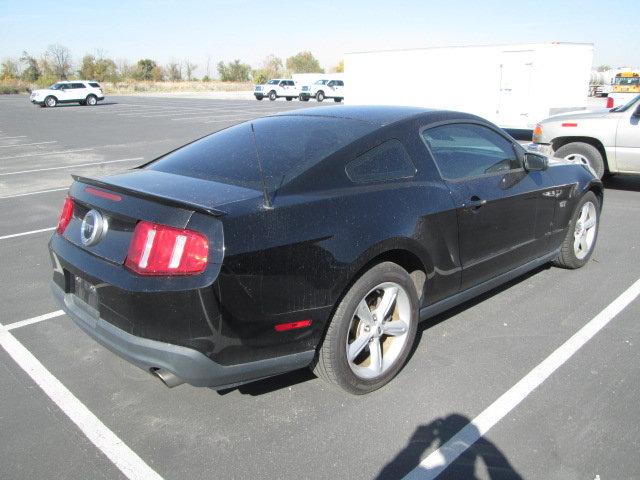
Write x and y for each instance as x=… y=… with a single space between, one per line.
x=277 y=88
x=75 y=91
x=323 y=89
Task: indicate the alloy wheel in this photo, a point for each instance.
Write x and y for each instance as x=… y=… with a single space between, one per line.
x=585 y=230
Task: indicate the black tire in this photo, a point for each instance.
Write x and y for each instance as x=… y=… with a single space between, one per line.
x=91 y=100
x=272 y=96
x=567 y=258
x=332 y=365
x=289 y=99
x=581 y=150
x=320 y=96
x=259 y=97
x=51 y=101
x=83 y=102
x=337 y=99
x=304 y=99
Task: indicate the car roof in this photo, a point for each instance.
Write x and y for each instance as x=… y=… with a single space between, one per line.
x=380 y=115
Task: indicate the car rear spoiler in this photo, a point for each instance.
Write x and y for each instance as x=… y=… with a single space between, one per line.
x=149 y=196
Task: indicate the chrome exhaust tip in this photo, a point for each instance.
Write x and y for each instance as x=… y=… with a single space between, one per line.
x=168 y=378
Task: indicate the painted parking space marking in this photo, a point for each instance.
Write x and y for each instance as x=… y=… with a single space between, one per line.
x=70 y=166
x=31 y=232
x=56 y=152
x=28 y=144
x=125 y=459
x=16 y=136
x=436 y=462
x=39 y=192
x=31 y=321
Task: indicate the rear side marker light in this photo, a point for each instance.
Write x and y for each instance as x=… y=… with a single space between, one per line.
x=65 y=215
x=103 y=194
x=283 y=327
x=569 y=124
x=161 y=250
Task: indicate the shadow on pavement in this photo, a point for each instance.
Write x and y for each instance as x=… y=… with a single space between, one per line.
x=436 y=434
x=268 y=385
x=630 y=183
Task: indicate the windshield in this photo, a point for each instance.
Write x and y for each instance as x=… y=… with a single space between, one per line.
x=627 y=81
x=272 y=82
x=229 y=156
x=57 y=86
x=626 y=106
x=321 y=82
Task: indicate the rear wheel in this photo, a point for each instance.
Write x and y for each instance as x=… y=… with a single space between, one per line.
x=259 y=97
x=51 y=101
x=272 y=95
x=91 y=100
x=289 y=99
x=304 y=98
x=582 y=234
x=584 y=153
x=337 y=99
x=320 y=96
x=371 y=332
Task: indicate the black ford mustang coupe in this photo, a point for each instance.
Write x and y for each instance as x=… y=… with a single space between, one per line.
x=315 y=238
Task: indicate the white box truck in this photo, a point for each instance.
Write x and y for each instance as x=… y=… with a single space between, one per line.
x=514 y=86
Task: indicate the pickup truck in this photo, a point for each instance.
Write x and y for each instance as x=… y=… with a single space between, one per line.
x=277 y=88
x=606 y=140
x=322 y=89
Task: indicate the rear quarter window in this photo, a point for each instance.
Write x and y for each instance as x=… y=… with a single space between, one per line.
x=94 y=84
x=387 y=161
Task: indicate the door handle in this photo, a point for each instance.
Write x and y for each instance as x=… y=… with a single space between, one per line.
x=474 y=203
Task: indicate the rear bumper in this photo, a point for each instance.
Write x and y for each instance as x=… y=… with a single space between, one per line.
x=187 y=364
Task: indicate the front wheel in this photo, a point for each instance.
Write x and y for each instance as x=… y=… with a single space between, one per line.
x=51 y=101
x=371 y=332
x=91 y=100
x=289 y=99
x=272 y=96
x=259 y=97
x=582 y=234
x=320 y=96
x=584 y=153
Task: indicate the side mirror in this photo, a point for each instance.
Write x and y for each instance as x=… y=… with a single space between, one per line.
x=535 y=163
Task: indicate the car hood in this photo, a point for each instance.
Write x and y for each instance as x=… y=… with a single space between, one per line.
x=42 y=91
x=579 y=114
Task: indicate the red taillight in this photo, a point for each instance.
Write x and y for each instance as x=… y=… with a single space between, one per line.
x=609 y=102
x=283 y=327
x=160 y=250
x=65 y=215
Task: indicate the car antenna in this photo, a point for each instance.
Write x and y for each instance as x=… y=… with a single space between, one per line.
x=267 y=203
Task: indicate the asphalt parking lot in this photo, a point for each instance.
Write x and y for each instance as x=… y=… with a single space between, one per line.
x=69 y=407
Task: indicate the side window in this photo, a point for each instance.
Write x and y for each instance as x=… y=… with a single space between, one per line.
x=339 y=83
x=283 y=83
x=94 y=85
x=465 y=150
x=291 y=83
x=387 y=161
x=331 y=83
x=77 y=85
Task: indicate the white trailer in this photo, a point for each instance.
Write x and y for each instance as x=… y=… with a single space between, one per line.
x=514 y=86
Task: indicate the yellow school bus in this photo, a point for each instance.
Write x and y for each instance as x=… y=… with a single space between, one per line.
x=626 y=82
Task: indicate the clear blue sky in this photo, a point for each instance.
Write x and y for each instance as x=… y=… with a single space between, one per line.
x=250 y=30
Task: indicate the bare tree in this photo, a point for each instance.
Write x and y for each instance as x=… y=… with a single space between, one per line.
x=60 y=59
x=174 y=71
x=189 y=68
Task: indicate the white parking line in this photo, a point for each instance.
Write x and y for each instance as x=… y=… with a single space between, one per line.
x=70 y=166
x=34 y=193
x=125 y=459
x=47 y=153
x=439 y=460
x=17 y=136
x=31 y=321
x=22 y=234
x=27 y=144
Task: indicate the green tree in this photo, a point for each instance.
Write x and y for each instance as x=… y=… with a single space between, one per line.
x=104 y=70
x=88 y=67
x=32 y=71
x=9 y=69
x=234 y=71
x=339 y=68
x=271 y=67
x=189 y=68
x=174 y=71
x=304 y=62
x=144 y=69
x=59 y=59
